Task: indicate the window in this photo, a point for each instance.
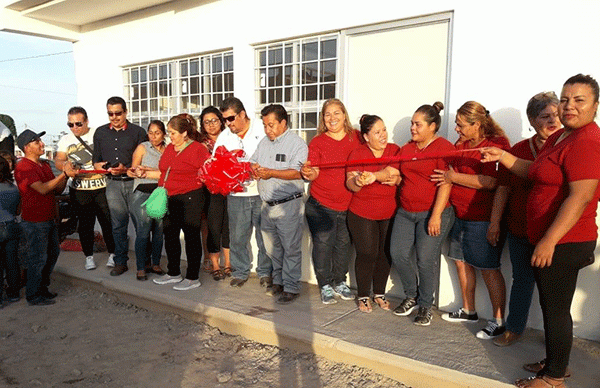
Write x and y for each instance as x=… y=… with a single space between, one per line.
x=163 y=89
x=299 y=74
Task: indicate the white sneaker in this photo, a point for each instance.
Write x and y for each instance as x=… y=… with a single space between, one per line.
x=167 y=279
x=187 y=284
x=89 y=263
x=111 y=261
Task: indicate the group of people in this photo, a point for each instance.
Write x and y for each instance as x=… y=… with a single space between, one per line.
x=395 y=205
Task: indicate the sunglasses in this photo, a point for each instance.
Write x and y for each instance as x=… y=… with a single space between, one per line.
x=111 y=114
x=76 y=124
x=230 y=118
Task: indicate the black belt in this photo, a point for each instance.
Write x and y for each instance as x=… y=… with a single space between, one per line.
x=284 y=200
x=123 y=178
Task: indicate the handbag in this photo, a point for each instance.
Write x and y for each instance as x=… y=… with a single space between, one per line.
x=156 y=204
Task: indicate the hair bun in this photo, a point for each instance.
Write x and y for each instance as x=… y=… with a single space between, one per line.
x=438 y=106
x=362 y=118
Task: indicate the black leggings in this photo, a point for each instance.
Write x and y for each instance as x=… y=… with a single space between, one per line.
x=556 y=285
x=91 y=204
x=184 y=213
x=217 y=220
x=372 y=265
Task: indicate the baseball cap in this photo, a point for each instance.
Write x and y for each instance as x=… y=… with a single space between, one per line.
x=27 y=136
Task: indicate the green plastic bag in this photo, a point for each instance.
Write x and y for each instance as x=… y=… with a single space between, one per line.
x=156 y=204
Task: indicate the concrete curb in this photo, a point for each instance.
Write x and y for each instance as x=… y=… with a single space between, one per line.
x=413 y=373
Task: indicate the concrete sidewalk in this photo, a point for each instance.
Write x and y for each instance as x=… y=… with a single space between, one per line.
x=440 y=355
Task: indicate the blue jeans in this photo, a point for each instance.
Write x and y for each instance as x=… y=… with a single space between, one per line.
x=119 y=195
x=523 y=283
x=244 y=214
x=281 y=228
x=332 y=246
x=9 y=260
x=409 y=233
x=42 y=252
x=468 y=243
x=148 y=233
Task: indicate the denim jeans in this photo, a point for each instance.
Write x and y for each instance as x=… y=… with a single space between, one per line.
x=148 y=233
x=281 y=227
x=332 y=246
x=244 y=214
x=523 y=283
x=409 y=234
x=42 y=252
x=120 y=195
x=9 y=260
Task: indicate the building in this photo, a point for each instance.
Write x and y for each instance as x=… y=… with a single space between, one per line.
x=385 y=57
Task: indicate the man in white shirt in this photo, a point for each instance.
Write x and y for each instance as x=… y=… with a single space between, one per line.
x=244 y=208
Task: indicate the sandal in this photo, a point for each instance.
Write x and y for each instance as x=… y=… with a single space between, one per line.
x=381 y=301
x=227 y=271
x=156 y=269
x=207 y=266
x=364 y=305
x=218 y=274
x=538 y=366
x=524 y=383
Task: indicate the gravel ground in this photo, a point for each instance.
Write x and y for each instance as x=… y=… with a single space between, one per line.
x=90 y=339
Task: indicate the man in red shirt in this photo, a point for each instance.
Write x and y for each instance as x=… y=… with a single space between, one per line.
x=37 y=186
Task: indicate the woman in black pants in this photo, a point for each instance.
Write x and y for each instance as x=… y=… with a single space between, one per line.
x=561 y=218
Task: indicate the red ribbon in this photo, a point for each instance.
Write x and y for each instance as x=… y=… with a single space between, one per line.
x=389 y=159
x=224 y=173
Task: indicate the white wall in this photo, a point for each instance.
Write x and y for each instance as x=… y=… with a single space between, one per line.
x=500 y=56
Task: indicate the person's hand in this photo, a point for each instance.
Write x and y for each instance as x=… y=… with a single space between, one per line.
x=434 y=226
x=542 y=254
x=119 y=170
x=309 y=173
x=493 y=234
x=261 y=172
x=69 y=169
x=364 y=178
x=491 y=154
x=442 y=177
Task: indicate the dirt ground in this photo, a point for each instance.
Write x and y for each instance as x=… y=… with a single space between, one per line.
x=90 y=339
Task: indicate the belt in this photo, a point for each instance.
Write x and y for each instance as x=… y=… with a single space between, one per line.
x=284 y=200
x=123 y=178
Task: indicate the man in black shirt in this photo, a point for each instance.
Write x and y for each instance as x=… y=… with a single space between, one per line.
x=114 y=144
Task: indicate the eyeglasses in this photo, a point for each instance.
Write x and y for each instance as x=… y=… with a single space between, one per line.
x=118 y=114
x=230 y=118
x=78 y=124
x=213 y=121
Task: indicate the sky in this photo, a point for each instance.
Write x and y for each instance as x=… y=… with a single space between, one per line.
x=36 y=92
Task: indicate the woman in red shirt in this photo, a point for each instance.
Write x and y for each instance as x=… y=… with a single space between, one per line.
x=561 y=218
x=372 y=206
x=327 y=205
x=542 y=112
x=179 y=167
x=424 y=215
x=472 y=196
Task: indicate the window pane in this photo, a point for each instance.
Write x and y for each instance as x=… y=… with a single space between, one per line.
x=145 y=121
x=275 y=96
x=126 y=77
x=263 y=96
x=195 y=105
x=275 y=55
x=135 y=75
x=143 y=74
x=328 y=49
x=217 y=99
x=309 y=51
x=163 y=105
x=143 y=91
x=184 y=86
x=195 y=85
x=309 y=93
x=163 y=89
x=328 y=71
x=144 y=107
x=172 y=70
x=194 y=67
x=183 y=65
x=135 y=92
x=153 y=73
x=228 y=79
x=153 y=89
x=327 y=91
x=184 y=103
x=206 y=84
x=309 y=73
x=135 y=107
x=262 y=58
x=275 y=78
x=162 y=71
x=228 y=62
x=217 y=83
x=217 y=64
x=288 y=53
x=154 y=107
x=288 y=94
x=309 y=120
x=289 y=79
x=126 y=93
x=262 y=76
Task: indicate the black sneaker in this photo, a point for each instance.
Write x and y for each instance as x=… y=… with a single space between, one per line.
x=423 y=317
x=40 y=301
x=286 y=297
x=274 y=290
x=406 y=307
x=490 y=331
x=460 y=316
